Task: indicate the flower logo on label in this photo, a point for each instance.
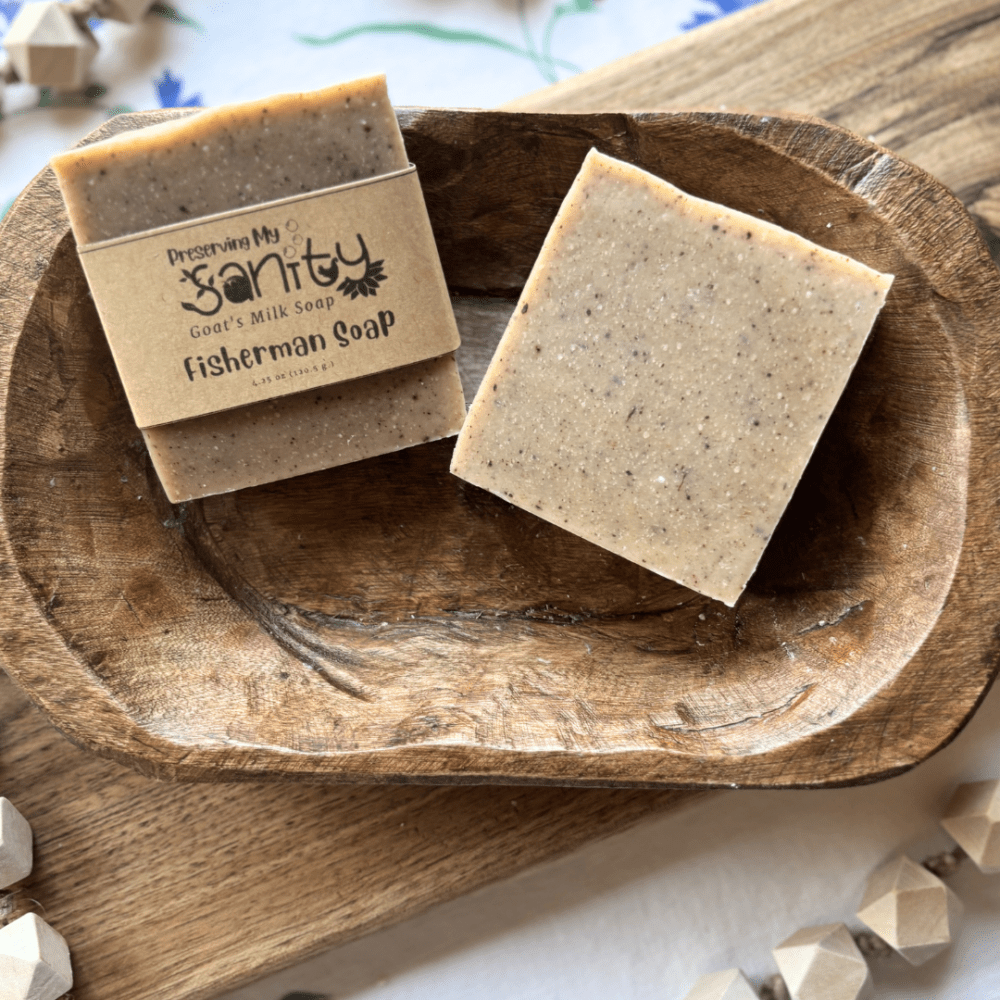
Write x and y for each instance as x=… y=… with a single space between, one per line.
x=367 y=284
x=202 y=287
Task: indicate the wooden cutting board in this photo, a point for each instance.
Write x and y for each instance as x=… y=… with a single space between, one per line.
x=181 y=891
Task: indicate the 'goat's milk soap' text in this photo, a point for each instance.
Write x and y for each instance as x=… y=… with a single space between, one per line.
x=268 y=281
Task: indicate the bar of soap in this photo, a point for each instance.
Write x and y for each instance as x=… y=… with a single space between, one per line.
x=666 y=375
x=227 y=158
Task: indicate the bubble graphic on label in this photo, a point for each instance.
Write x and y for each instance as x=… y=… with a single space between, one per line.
x=296 y=239
x=289 y=251
x=291 y=225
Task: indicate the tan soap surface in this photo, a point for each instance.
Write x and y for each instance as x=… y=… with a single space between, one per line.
x=666 y=376
x=227 y=158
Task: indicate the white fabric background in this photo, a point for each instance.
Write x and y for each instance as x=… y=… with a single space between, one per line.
x=238 y=51
x=642 y=914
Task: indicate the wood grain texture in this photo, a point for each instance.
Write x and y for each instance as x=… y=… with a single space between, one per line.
x=233 y=881
x=387 y=621
x=117 y=851
x=917 y=76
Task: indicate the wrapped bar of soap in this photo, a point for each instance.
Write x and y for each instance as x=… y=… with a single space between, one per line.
x=268 y=281
x=666 y=375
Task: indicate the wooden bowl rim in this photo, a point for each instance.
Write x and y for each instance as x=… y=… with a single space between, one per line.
x=83 y=709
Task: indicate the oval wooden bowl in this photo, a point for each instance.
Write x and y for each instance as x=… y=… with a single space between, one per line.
x=387 y=622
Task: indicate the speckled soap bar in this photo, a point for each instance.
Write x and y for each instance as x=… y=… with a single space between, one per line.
x=231 y=157
x=666 y=375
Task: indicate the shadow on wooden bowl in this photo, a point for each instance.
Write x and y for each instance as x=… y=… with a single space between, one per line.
x=387 y=622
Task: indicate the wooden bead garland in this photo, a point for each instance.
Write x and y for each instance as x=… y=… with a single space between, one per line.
x=824 y=963
x=909 y=909
x=49 y=44
x=34 y=961
x=973 y=819
x=728 y=985
x=34 y=957
x=15 y=845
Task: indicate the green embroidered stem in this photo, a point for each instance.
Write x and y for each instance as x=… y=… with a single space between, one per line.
x=544 y=66
x=561 y=10
x=438 y=34
x=170 y=13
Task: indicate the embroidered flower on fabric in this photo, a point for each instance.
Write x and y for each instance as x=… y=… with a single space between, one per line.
x=722 y=8
x=168 y=92
x=9 y=9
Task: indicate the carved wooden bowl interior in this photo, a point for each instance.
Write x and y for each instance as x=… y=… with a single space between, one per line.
x=387 y=622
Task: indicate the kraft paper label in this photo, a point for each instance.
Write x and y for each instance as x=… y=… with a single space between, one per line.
x=272 y=299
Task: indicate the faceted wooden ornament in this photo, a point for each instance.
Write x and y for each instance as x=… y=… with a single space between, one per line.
x=728 y=985
x=823 y=963
x=48 y=48
x=15 y=845
x=34 y=961
x=911 y=909
x=973 y=819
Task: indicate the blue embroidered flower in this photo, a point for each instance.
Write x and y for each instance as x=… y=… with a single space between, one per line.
x=168 y=92
x=722 y=8
x=9 y=9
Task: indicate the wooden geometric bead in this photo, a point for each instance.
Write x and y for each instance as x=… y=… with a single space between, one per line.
x=48 y=48
x=129 y=11
x=823 y=963
x=15 y=845
x=911 y=909
x=973 y=820
x=728 y=985
x=34 y=961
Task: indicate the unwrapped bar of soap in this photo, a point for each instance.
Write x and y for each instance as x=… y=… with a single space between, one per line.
x=666 y=375
x=231 y=157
